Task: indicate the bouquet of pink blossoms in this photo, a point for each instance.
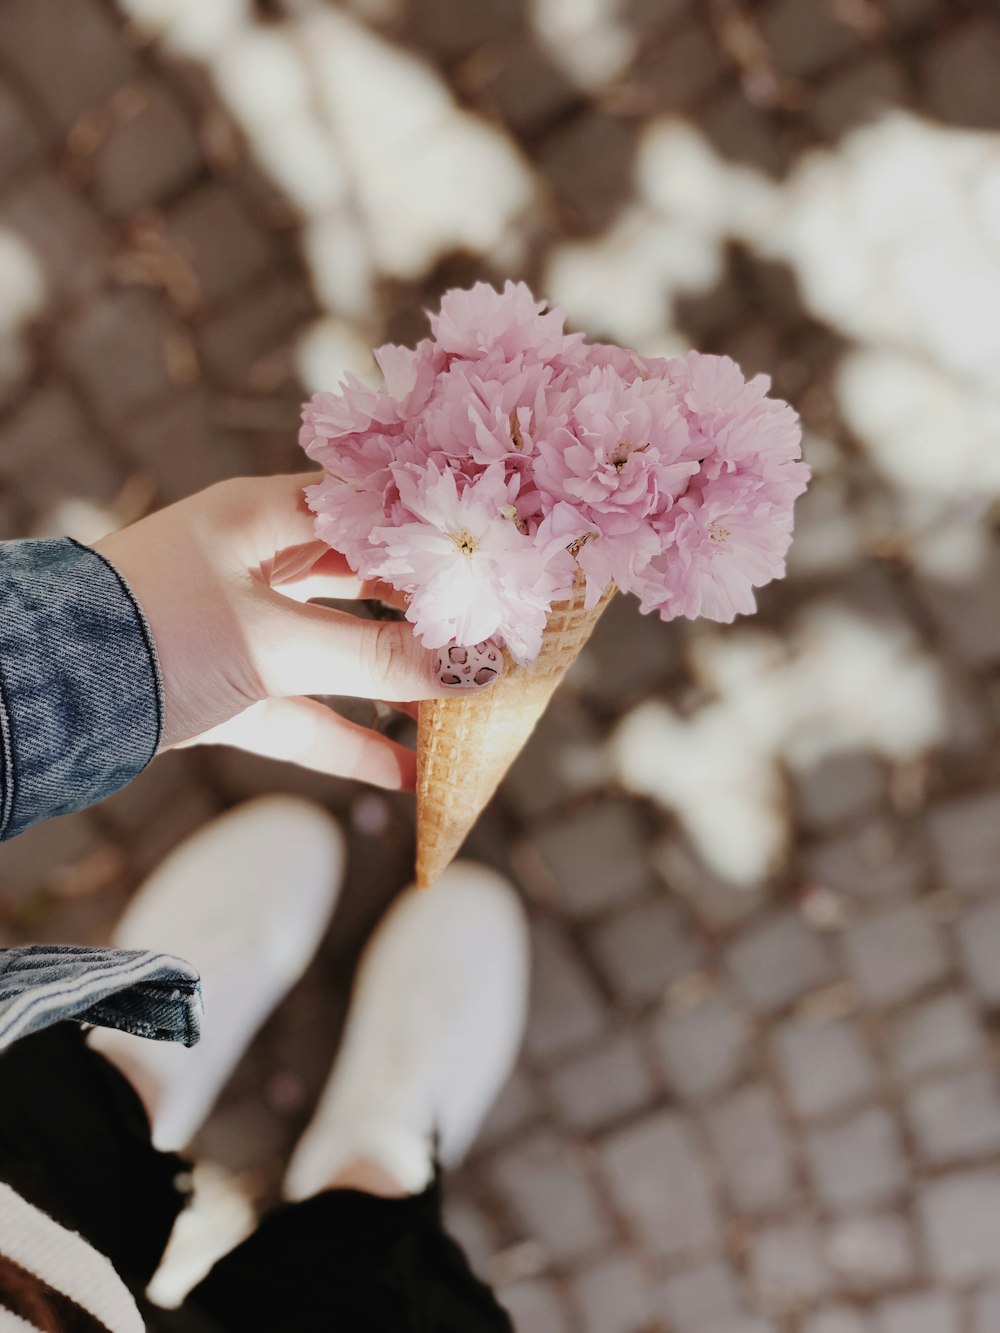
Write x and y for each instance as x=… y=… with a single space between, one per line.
x=508 y=476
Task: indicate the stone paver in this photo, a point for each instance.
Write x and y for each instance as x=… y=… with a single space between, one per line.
x=117 y=350
x=628 y=655
x=802 y=39
x=870 y=860
x=966 y=617
x=61 y=229
x=956 y=1118
x=986 y=1310
x=603 y=1084
x=716 y=902
x=127 y=176
x=245 y=347
x=551 y=1196
x=585 y=162
x=51 y=412
x=20 y=139
x=907 y=14
x=958 y=1215
x=871 y=1253
x=473 y=1230
x=95 y=62
x=658 y=1180
x=958 y=75
x=778 y=961
x=645 y=948
x=45 y=856
x=939 y=1033
x=560 y=759
x=786 y=1265
x=978 y=941
x=535 y=1307
x=761 y=1107
x=566 y=1006
x=214 y=236
x=182 y=438
x=679 y=74
x=703 y=1048
x=838 y=787
x=896 y=953
x=589 y=858
x=613 y=1296
x=704 y=1298
x=926 y=1313
x=754 y=1150
x=858 y=1163
x=824 y=1067
x=837 y=1319
x=965 y=835
x=858 y=96
x=515 y=1107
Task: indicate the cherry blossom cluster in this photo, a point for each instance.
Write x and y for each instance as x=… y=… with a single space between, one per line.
x=502 y=459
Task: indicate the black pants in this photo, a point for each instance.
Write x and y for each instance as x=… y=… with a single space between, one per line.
x=74 y=1141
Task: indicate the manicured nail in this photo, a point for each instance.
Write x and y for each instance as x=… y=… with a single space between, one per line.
x=469 y=667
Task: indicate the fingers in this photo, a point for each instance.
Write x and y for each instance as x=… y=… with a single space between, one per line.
x=310 y=649
x=298 y=564
x=283 y=542
x=266 y=514
x=302 y=731
x=312 y=571
x=286 y=518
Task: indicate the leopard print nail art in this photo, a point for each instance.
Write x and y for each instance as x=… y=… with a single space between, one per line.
x=461 y=667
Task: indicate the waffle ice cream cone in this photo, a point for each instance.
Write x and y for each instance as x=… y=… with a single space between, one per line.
x=466 y=745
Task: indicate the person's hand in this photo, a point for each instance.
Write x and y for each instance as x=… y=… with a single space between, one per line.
x=224 y=579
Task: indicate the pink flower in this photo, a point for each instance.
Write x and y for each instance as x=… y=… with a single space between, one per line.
x=478 y=321
x=410 y=374
x=629 y=365
x=328 y=419
x=622 y=457
x=469 y=572
x=354 y=494
x=720 y=541
x=502 y=456
x=622 y=559
x=493 y=409
x=732 y=418
x=624 y=453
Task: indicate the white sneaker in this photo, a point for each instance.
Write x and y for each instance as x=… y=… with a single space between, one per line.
x=434 y=1027
x=246 y=900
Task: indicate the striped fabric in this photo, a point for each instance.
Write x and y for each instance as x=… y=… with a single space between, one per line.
x=150 y=994
x=31 y=1298
x=50 y=1278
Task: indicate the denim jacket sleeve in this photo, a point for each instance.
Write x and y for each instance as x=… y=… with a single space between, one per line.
x=81 y=708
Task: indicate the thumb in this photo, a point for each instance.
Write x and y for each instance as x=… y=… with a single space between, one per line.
x=309 y=649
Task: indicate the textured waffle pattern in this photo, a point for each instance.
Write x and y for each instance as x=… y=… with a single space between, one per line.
x=466 y=745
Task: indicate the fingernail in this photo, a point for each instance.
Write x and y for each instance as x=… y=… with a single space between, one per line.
x=464 y=668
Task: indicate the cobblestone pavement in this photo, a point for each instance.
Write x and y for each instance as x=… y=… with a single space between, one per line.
x=759 y=1088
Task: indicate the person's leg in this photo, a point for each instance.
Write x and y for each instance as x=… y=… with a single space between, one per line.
x=76 y=1110
x=74 y=1141
x=434 y=1027
x=246 y=899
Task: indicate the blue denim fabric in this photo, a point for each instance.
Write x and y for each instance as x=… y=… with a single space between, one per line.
x=80 y=692
x=150 y=994
x=81 y=713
